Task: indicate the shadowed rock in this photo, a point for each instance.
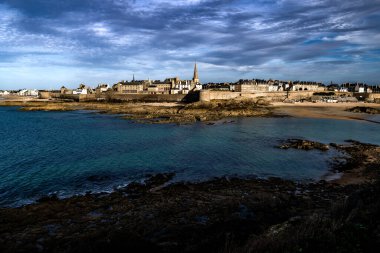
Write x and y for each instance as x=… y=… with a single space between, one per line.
x=364 y=109
x=304 y=144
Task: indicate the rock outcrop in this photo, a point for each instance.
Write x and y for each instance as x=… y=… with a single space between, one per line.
x=158 y=113
x=364 y=109
x=221 y=215
x=304 y=144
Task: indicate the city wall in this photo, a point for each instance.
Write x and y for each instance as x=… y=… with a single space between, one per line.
x=372 y=97
x=375 y=97
x=208 y=95
x=144 y=97
x=114 y=97
x=204 y=95
x=87 y=97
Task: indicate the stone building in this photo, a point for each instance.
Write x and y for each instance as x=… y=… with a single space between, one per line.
x=159 y=88
x=65 y=91
x=26 y=92
x=132 y=87
x=169 y=86
x=254 y=86
x=102 y=88
x=250 y=86
x=185 y=86
x=305 y=86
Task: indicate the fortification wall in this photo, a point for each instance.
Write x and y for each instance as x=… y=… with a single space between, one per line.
x=65 y=96
x=192 y=97
x=145 y=97
x=208 y=95
x=370 y=97
x=375 y=97
x=87 y=97
x=45 y=94
x=110 y=96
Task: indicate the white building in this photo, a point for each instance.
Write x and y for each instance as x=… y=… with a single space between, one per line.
x=275 y=87
x=26 y=92
x=80 y=92
x=198 y=86
x=4 y=93
x=359 y=88
x=185 y=86
x=103 y=87
x=307 y=87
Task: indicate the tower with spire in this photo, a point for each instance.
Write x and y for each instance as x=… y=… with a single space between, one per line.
x=196 y=77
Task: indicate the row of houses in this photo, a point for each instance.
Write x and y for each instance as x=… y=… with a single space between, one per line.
x=354 y=87
x=23 y=92
x=4 y=93
x=81 y=90
x=169 y=86
x=260 y=85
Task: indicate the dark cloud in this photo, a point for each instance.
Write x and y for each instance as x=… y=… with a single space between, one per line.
x=232 y=35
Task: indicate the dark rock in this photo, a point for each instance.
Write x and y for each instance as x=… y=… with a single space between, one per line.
x=135 y=189
x=159 y=179
x=364 y=109
x=304 y=144
x=48 y=198
x=261 y=215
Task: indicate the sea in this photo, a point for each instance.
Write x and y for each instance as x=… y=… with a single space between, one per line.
x=71 y=153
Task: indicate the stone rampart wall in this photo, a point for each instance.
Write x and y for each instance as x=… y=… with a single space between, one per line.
x=45 y=94
x=145 y=97
x=110 y=96
x=208 y=95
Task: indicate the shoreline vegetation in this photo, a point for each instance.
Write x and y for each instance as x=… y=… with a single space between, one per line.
x=220 y=215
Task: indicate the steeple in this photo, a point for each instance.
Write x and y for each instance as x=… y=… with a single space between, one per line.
x=195 y=77
x=133 y=78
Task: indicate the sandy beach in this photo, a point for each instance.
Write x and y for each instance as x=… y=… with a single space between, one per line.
x=322 y=110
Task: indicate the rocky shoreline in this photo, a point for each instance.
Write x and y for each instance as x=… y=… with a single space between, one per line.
x=221 y=215
x=364 y=109
x=181 y=113
x=157 y=113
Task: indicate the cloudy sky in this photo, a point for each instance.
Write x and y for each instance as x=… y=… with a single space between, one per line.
x=46 y=44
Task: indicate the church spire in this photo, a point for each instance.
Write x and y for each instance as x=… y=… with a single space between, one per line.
x=196 y=77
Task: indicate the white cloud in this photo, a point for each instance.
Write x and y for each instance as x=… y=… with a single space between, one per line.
x=100 y=29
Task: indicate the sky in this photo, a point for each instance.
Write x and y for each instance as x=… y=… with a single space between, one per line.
x=45 y=44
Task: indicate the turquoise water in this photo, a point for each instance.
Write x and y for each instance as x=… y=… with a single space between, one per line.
x=73 y=152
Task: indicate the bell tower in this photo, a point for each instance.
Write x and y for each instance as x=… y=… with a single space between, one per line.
x=195 y=77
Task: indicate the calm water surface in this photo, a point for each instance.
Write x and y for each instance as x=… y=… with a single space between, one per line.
x=73 y=152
